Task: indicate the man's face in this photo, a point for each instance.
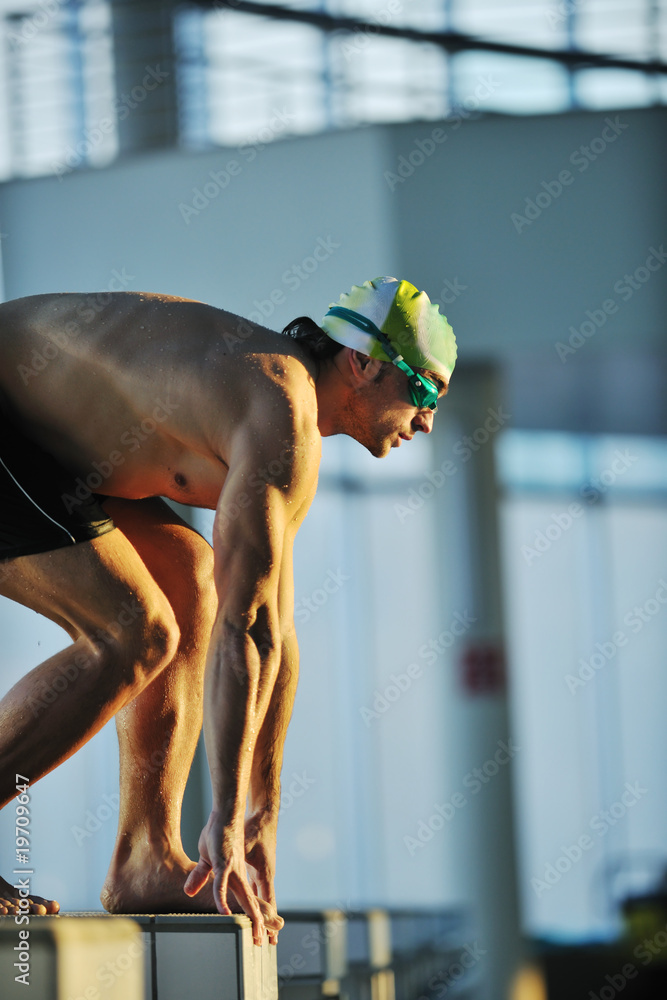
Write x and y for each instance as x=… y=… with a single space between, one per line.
x=383 y=414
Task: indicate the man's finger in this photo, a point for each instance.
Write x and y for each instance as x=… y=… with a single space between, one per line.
x=272 y=920
x=269 y=894
x=197 y=878
x=220 y=893
x=251 y=906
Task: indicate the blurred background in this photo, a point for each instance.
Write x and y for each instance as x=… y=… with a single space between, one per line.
x=480 y=722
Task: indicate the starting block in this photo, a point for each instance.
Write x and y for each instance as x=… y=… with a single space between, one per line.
x=97 y=956
x=370 y=974
x=312 y=954
x=78 y=959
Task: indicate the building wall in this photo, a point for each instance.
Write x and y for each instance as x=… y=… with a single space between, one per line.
x=281 y=236
x=515 y=287
x=463 y=215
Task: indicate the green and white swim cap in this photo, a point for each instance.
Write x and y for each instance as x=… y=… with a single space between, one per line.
x=409 y=319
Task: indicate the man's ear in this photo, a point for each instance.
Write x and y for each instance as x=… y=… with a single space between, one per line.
x=362 y=369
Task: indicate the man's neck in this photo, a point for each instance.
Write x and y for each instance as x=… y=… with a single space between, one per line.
x=331 y=397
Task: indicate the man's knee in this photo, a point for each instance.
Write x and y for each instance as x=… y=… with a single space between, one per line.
x=197 y=602
x=142 y=641
x=159 y=641
x=205 y=592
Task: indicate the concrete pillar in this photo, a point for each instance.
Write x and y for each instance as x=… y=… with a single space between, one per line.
x=147 y=112
x=468 y=555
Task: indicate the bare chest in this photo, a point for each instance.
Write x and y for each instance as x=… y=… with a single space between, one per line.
x=148 y=461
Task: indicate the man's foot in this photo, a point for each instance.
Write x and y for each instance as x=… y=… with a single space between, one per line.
x=9 y=902
x=155 y=885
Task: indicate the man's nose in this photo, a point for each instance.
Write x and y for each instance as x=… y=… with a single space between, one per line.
x=423 y=421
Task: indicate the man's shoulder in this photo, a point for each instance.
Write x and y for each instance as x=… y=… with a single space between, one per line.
x=284 y=407
x=261 y=399
x=281 y=380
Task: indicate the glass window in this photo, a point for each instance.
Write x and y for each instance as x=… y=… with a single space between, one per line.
x=584 y=541
x=248 y=79
x=56 y=88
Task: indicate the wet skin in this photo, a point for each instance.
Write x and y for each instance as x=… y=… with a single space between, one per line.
x=161 y=396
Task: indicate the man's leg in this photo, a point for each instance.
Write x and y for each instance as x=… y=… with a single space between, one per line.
x=124 y=633
x=159 y=730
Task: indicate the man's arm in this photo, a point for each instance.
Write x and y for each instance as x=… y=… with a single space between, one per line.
x=262 y=823
x=253 y=526
x=267 y=762
x=261 y=826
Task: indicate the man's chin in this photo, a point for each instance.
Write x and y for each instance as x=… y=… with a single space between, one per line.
x=380 y=450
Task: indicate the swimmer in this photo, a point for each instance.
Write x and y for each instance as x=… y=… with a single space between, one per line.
x=108 y=404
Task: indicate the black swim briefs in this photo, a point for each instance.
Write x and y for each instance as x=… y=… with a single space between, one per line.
x=37 y=512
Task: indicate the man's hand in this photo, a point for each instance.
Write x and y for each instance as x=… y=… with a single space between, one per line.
x=244 y=715
x=260 y=855
x=221 y=852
